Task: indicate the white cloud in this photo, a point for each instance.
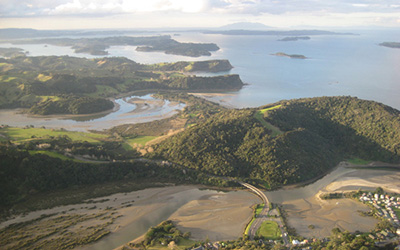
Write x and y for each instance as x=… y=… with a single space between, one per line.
x=127 y=6
x=204 y=12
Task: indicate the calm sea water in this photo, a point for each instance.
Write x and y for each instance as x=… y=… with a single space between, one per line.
x=337 y=65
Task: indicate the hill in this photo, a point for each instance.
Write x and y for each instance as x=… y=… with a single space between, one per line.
x=289 y=141
x=70 y=85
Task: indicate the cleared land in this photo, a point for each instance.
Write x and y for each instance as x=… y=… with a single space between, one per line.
x=269 y=230
x=26 y=134
x=260 y=116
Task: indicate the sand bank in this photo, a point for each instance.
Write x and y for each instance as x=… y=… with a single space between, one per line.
x=221 y=216
x=143 y=110
x=223 y=99
x=204 y=212
x=304 y=207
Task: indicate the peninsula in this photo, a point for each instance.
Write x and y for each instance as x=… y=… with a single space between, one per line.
x=68 y=85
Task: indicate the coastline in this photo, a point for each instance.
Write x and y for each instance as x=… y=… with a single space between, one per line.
x=195 y=208
x=305 y=207
x=157 y=109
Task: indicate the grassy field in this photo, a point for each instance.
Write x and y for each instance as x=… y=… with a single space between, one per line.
x=271 y=108
x=257 y=211
x=49 y=153
x=54 y=155
x=269 y=230
x=357 y=161
x=246 y=231
x=140 y=140
x=275 y=130
x=259 y=208
x=24 y=134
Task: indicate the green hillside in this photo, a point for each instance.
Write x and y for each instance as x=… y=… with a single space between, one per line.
x=316 y=134
x=82 y=86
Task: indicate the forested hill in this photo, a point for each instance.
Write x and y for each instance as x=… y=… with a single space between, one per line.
x=289 y=141
x=69 y=85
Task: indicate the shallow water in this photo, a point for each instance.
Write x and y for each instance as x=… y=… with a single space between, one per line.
x=126 y=114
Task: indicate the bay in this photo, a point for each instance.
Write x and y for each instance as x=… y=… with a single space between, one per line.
x=353 y=65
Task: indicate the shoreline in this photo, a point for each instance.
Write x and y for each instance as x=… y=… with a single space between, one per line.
x=193 y=208
x=305 y=207
x=119 y=115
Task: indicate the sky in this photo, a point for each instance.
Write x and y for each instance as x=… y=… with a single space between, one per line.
x=131 y=14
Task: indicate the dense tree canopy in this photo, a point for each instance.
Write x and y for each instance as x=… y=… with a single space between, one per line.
x=316 y=134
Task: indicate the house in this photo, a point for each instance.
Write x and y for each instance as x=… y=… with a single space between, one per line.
x=398 y=231
x=295 y=242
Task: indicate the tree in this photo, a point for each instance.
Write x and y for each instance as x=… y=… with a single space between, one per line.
x=379 y=190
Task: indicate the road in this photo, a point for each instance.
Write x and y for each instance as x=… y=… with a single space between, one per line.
x=264 y=215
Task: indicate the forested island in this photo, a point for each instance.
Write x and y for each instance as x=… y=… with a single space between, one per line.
x=68 y=85
x=393 y=45
x=99 y=45
x=293 y=56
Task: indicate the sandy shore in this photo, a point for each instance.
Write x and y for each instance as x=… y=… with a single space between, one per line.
x=223 y=99
x=221 y=216
x=147 y=110
x=304 y=207
x=203 y=212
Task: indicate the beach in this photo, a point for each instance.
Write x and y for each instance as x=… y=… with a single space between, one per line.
x=203 y=212
x=305 y=208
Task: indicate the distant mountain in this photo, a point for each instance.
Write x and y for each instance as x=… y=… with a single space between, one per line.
x=247 y=32
x=245 y=26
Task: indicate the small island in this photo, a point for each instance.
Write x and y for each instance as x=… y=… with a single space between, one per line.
x=294 y=38
x=393 y=45
x=294 y=56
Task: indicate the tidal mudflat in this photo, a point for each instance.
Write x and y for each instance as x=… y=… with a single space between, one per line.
x=305 y=208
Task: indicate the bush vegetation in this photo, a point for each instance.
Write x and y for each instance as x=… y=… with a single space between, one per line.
x=317 y=133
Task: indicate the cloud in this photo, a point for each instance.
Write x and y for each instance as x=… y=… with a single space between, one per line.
x=22 y=8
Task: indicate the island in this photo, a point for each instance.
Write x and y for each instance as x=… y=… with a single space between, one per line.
x=98 y=45
x=294 y=38
x=393 y=45
x=293 y=56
